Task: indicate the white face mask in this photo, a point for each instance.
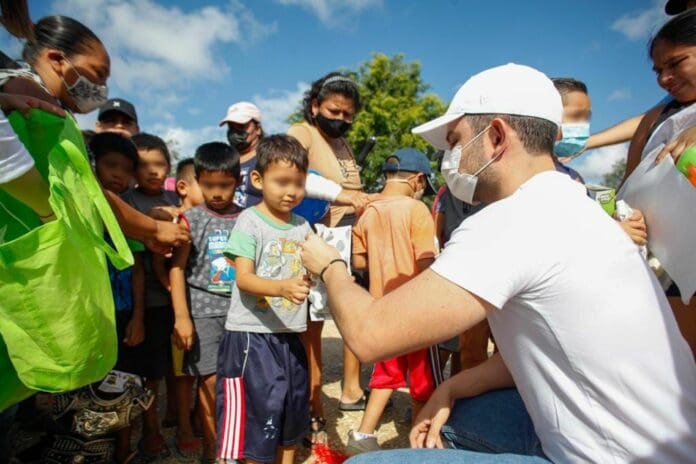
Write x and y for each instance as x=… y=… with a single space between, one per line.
x=462 y=186
x=417 y=194
x=87 y=95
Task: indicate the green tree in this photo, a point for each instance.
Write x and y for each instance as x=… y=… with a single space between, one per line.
x=395 y=100
x=615 y=176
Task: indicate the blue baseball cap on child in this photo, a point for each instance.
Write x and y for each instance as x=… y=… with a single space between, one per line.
x=410 y=160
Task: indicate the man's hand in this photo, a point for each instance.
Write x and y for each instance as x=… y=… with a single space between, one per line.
x=425 y=432
x=24 y=104
x=636 y=228
x=296 y=289
x=676 y=147
x=135 y=332
x=317 y=254
x=168 y=235
x=183 y=333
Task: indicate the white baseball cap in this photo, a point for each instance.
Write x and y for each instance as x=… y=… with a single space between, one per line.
x=509 y=89
x=242 y=113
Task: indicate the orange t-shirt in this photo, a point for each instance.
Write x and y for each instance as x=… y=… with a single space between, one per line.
x=394 y=232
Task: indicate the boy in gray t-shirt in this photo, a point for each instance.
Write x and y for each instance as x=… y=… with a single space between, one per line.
x=262 y=380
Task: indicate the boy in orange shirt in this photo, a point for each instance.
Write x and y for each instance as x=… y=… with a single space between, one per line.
x=395 y=240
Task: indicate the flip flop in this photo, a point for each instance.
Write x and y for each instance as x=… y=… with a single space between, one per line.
x=187 y=451
x=317 y=432
x=356 y=406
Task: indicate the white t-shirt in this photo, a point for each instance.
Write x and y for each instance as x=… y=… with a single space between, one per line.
x=14 y=158
x=582 y=325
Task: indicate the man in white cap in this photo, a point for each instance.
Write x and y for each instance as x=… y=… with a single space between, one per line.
x=584 y=331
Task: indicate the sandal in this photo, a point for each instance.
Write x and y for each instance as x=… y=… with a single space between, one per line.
x=187 y=451
x=356 y=406
x=317 y=432
x=143 y=456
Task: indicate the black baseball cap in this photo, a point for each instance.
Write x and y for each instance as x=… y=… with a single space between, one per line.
x=675 y=7
x=118 y=105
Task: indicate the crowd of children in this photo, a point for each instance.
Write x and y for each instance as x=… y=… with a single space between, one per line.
x=221 y=318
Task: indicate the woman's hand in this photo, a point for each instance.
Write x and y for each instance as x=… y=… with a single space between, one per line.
x=425 y=432
x=24 y=104
x=317 y=254
x=676 y=147
x=168 y=235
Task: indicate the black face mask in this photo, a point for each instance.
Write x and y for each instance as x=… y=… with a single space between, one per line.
x=238 y=138
x=334 y=128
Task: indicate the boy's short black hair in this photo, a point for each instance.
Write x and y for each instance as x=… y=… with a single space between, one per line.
x=281 y=147
x=565 y=85
x=145 y=141
x=185 y=170
x=216 y=157
x=112 y=142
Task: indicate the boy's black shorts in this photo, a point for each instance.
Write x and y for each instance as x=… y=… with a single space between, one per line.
x=262 y=394
x=152 y=358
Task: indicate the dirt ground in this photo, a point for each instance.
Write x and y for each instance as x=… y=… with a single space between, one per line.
x=392 y=433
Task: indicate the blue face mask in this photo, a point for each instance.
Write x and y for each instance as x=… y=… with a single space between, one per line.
x=574 y=139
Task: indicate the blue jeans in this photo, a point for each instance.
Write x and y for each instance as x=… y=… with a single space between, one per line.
x=491 y=428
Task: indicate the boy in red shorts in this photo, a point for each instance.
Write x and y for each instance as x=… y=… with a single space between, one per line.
x=395 y=240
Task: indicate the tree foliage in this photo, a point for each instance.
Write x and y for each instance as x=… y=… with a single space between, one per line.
x=395 y=100
x=615 y=176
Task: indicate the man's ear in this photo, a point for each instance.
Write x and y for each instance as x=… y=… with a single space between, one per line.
x=257 y=180
x=499 y=135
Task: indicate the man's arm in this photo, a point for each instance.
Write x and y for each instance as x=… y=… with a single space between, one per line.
x=424 y=311
x=492 y=374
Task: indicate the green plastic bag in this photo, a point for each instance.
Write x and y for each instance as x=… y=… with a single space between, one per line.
x=57 y=329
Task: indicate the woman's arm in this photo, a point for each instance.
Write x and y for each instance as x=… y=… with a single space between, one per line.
x=158 y=236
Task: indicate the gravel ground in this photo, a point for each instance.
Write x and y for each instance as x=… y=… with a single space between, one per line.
x=392 y=433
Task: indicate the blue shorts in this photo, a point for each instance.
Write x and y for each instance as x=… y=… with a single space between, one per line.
x=262 y=394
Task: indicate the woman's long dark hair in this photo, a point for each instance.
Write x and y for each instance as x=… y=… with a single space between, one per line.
x=332 y=83
x=680 y=30
x=61 y=33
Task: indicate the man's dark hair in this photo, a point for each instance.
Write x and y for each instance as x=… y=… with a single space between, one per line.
x=680 y=30
x=537 y=135
x=61 y=33
x=145 y=141
x=332 y=83
x=280 y=147
x=185 y=170
x=112 y=142
x=565 y=85
x=216 y=157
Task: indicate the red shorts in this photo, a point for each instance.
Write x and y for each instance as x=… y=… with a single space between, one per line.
x=393 y=373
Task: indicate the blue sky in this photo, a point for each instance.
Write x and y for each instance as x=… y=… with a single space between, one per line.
x=183 y=62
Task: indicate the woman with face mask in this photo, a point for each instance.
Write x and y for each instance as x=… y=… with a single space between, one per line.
x=673 y=53
x=69 y=67
x=329 y=107
x=68 y=63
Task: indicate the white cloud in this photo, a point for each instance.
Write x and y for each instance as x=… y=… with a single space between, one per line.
x=594 y=164
x=332 y=12
x=156 y=46
x=620 y=95
x=278 y=105
x=185 y=141
x=639 y=25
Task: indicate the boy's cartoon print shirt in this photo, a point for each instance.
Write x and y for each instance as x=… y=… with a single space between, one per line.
x=209 y=273
x=275 y=250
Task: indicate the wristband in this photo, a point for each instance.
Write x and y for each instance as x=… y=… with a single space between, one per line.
x=337 y=260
